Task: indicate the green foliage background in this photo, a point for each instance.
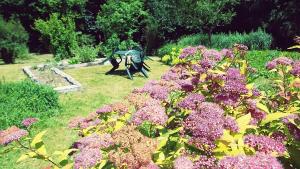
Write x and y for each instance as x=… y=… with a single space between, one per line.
x=155 y=22
x=13 y=39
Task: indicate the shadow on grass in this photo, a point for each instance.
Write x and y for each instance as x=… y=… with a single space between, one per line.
x=122 y=73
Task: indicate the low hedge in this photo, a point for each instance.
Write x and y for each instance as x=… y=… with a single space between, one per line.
x=20 y=100
x=258 y=40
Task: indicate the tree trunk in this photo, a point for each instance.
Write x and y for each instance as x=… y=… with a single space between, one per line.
x=209 y=37
x=7 y=56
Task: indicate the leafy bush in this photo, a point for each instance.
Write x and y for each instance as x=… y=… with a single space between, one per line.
x=258 y=40
x=258 y=59
x=85 y=39
x=84 y=54
x=26 y=99
x=203 y=113
x=60 y=32
x=120 y=21
x=13 y=40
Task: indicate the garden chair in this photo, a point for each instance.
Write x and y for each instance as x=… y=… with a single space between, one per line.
x=134 y=61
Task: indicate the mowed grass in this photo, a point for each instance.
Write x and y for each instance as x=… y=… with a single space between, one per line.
x=98 y=89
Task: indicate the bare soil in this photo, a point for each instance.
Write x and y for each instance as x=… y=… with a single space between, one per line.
x=49 y=77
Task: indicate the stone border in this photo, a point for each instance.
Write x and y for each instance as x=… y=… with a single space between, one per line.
x=75 y=85
x=66 y=65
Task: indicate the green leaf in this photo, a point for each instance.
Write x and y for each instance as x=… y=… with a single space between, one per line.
x=38 y=139
x=244 y=67
x=148 y=129
x=68 y=166
x=227 y=137
x=161 y=156
x=295 y=47
x=162 y=142
x=273 y=116
x=63 y=156
x=22 y=158
x=26 y=156
x=119 y=125
x=42 y=150
x=262 y=107
x=102 y=164
x=243 y=122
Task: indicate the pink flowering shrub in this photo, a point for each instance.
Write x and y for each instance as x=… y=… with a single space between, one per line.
x=202 y=113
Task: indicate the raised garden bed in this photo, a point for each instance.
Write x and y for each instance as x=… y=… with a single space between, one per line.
x=60 y=81
x=65 y=65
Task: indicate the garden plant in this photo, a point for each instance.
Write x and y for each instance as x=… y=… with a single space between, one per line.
x=223 y=89
x=203 y=113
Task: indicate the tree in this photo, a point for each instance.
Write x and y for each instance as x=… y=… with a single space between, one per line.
x=206 y=15
x=61 y=34
x=13 y=40
x=284 y=21
x=122 y=20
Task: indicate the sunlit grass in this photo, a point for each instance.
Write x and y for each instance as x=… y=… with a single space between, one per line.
x=98 y=89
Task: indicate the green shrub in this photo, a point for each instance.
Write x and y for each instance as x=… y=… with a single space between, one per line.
x=85 y=39
x=13 y=39
x=121 y=21
x=258 y=40
x=60 y=31
x=258 y=59
x=167 y=48
x=84 y=54
x=26 y=99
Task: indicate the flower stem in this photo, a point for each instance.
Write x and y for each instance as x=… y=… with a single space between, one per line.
x=34 y=151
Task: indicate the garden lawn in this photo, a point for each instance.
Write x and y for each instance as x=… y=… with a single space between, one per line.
x=98 y=89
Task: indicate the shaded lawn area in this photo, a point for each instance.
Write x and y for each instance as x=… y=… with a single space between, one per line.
x=98 y=89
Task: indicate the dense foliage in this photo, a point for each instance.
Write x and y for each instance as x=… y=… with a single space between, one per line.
x=166 y=20
x=121 y=22
x=258 y=40
x=203 y=113
x=13 y=40
x=84 y=54
x=207 y=15
x=26 y=99
x=256 y=62
x=60 y=32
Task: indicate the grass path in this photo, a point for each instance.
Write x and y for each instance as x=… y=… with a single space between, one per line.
x=98 y=89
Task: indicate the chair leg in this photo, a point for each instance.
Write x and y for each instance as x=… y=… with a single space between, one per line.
x=144 y=72
x=129 y=74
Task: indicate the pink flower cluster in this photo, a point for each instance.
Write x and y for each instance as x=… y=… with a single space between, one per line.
x=87 y=158
x=94 y=141
x=206 y=162
x=258 y=161
x=152 y=113
x=279 y=61
x=188 y=51
x=83 y=123
x=256 y=113
x=235 y=86
x=296 y=68
x=11 y=134
x=29 y=121
x=183 y=162
x=264 y=144
x=205 y=125
x=191 y=101
x=230 y=124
